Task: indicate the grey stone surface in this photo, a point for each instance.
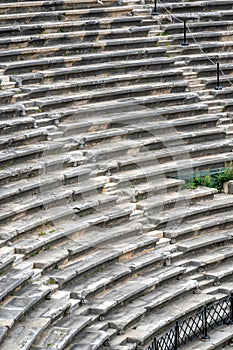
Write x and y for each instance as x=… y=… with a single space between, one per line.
x=101 y=108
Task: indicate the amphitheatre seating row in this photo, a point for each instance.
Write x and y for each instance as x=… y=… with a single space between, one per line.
x=88 y=235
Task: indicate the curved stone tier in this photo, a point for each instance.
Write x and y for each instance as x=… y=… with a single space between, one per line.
x=103 y=116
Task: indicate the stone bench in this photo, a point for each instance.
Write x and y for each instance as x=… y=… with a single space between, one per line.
x=210 y=71
x=128 y=315
x=170 y=169
x=88 y=84
x=80 y=48
x=11 y=59
x=14 y=279
x=22 y=137
x=69 y=37
x=200 y=226
x=163 y=202
x=35 y=6
x=154 y=123
x=112 y=253
x=128 y=105
x=211 y=47
x=144 y=114
x=153 y=187
x=16 y=124
x=209 y=260
x=46 y=181
x=26 y=152
x=116 y=272
x=50 y=227
x=213 y=205
x=195 y=6
x=203 y=37
x=69 y=26
x=220 y=272
x=48 y=199
x=148 y=158
x=198 y=26
x=145 y=330
x=12 y=111
x=21 y=303
x=83 y=71
x=59 y=101
x=203 y=59
x=132 y=289
x=100 y=91
x=33 y=167
x=67 y=15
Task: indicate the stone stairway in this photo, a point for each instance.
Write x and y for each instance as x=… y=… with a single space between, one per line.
x=102 y=115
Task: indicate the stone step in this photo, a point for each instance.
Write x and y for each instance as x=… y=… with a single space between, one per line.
x=35 y=6
x=16 y=124
x=26 y=152
x=56 y=61
x=171 y=168
x=113 y=252
x=91 y=49
x=196 y=27
x=91 y=337
x=203 y=242
x=133 y=289
x=153 y=123
x=149 y=158
x=84 y=71
x=195 y=7
x=49 y=103
x=114 y=273
x=199 y=226
x=74 y=25
x=218 y=204
x=35 y=167
x=156 y=206
x=69 y=37
x=145 y=330
x=22 y=137
x=46 y=181
x=14 y=279
x=152 y=188
x=129 y=105
x=123 y=80
x=127 y=316
x=67 y=15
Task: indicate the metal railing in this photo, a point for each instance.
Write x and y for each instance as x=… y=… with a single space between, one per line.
x=196 y=325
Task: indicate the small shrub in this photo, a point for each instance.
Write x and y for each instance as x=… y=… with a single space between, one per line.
x=212 y=180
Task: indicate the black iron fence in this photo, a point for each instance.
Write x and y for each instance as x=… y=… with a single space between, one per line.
x=196 y=325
